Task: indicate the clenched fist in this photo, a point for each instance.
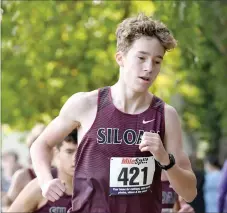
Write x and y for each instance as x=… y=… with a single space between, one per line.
x=152 y=142
x=53 y=189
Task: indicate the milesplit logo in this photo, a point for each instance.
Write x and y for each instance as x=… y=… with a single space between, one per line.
x=136 y=161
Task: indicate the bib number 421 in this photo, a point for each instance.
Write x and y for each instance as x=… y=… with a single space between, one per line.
x=129 y=176
x=135 y=172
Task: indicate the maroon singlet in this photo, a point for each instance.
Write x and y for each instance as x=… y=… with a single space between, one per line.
x=169 y=197
x=116 y=134
x=60 y=206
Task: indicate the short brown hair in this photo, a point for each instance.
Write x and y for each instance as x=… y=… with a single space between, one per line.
x=71 y=138
x=134 y=28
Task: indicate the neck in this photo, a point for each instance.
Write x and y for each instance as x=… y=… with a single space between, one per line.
x=128 y=100
x=67 y=179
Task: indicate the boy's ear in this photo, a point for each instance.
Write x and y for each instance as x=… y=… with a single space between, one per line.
x=119 y=58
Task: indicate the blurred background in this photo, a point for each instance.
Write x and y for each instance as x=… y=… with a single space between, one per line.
x=53 y=49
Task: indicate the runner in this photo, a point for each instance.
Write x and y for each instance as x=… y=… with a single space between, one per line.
x=31 y=200
x=22 y=176
x=122 y=132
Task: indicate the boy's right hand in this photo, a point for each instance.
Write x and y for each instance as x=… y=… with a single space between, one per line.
x=53 y=189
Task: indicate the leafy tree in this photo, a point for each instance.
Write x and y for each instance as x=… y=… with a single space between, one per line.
x=202 y=35
x=53 y=49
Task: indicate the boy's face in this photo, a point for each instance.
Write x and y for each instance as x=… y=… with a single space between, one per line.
x=8 y=162
x=66 y=156
x=141 y=64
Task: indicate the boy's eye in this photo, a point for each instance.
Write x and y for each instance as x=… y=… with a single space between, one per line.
x=141 y=58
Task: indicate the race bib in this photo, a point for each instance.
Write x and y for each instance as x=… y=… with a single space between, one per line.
x=130 y=176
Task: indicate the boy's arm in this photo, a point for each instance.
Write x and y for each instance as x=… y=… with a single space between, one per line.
x=54 y=133
x=68 y=119
x=28 y=199
x=181 y=176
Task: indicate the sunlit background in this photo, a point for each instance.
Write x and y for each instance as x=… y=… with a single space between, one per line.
x=53 y=49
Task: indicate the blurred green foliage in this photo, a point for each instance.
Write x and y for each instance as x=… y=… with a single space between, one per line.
x=201 y=30
x=53 y=49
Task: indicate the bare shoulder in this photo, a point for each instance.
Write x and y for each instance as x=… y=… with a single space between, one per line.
x=173 y=131
x=82 y=98
x=33 y=188
x=28 y=199
x=170 y=110
x=89 y=98
x=172 y=127
x=34 y=183
x=171 y=115
x=79 y=103
x=21 y=172
x=21 y=175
